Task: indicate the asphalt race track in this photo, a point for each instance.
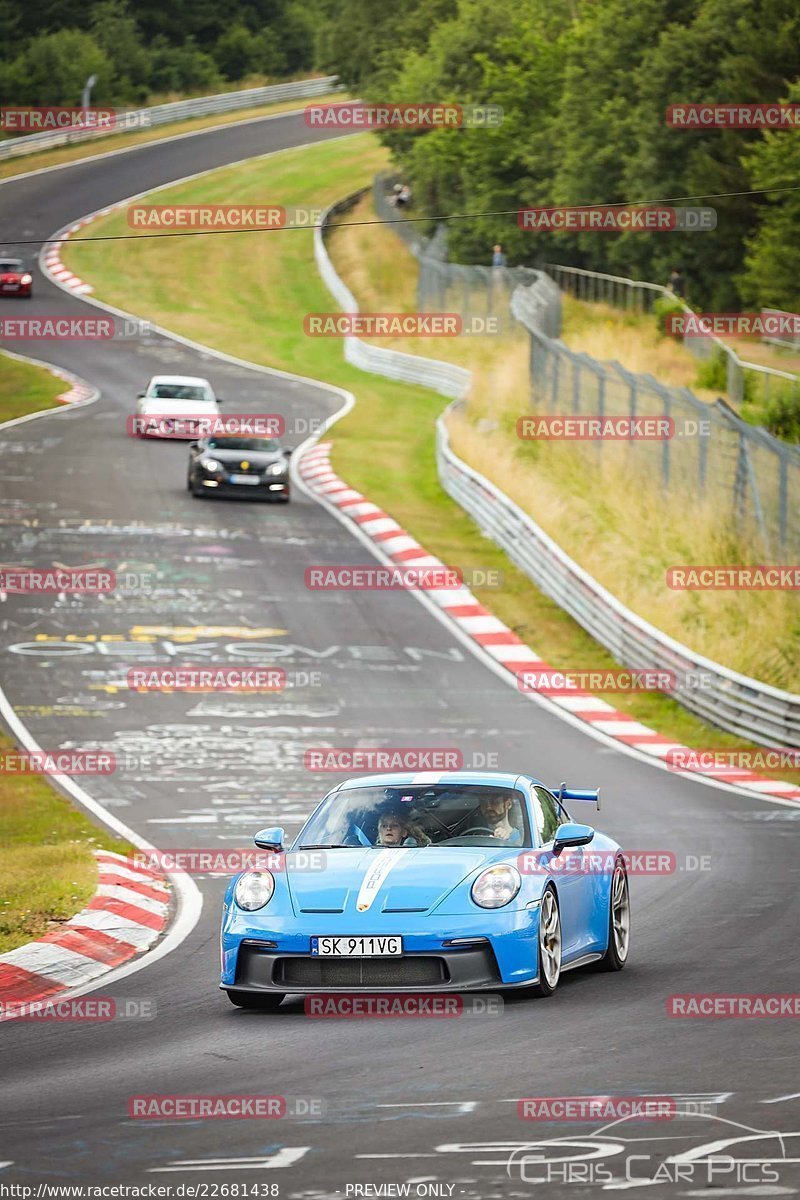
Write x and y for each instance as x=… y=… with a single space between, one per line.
x=431 y=1101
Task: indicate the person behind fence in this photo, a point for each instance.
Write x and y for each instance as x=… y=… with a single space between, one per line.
x=498 y=257
x=396 y=190
x=676 y=283
x=404 y=196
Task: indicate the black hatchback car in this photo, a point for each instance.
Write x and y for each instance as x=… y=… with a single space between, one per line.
x=239 y=466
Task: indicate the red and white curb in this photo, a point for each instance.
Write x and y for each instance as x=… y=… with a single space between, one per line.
x=78 y=391
x=495 y=638
x=128 y=913
x=51 y=256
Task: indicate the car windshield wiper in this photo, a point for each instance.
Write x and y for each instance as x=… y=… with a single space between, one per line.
x=332 y=846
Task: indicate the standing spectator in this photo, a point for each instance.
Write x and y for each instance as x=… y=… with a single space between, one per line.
x=676 y=283
x=404 y=196
x=498 y=258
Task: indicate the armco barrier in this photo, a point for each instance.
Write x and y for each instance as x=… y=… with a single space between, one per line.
x=178 y=110
x=443 y=377
x=731 y=701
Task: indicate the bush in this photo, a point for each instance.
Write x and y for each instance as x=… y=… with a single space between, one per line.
x=54 y=68
x=183 y=68
x=713 y=372
x=234 y=53
x=782 y=415
x=663 y=308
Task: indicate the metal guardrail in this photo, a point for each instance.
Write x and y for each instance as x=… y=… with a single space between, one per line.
x=731 y=701
x=445 y=378
x=787 y=343
x=178 y=110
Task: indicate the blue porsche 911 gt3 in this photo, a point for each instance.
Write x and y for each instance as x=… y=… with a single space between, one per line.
x=453 y=881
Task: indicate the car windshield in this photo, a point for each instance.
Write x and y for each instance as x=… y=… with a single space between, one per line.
x=419 y=815
x=10 y=264
x=265 y=445
x=179 y=391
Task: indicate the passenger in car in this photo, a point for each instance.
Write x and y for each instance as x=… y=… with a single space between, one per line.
x=395 y=829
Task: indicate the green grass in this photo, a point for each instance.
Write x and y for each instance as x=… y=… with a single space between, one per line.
x=389 y=437
x=47 y=868
x=25 y=388
x=47 y=871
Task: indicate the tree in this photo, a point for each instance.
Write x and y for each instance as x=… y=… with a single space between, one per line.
x=235 y=53
x=771 y=276
x=54 y=68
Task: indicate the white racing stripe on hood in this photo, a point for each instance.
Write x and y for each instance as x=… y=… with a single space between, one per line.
x=373 y=880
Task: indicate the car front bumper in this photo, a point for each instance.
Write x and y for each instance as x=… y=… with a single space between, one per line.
x=267 y=489
x=457 y=956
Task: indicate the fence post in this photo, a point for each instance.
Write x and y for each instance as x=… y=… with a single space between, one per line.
x=783 y=498
x=665 y=444
x=576 y=386
x=735 y=379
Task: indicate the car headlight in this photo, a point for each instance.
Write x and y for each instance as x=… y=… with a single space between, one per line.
x=210 y=464
x=254 y=889
x=26 y=279
x=496 y=886
x=276 y=468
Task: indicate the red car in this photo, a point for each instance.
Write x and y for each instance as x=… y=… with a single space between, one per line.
x=14 y=279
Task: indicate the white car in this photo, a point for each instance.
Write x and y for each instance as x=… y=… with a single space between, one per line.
x=170 y=400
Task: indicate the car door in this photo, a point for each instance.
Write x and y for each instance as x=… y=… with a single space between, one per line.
x=573 y=880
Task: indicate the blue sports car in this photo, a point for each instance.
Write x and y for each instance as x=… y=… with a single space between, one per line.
x=452 y=881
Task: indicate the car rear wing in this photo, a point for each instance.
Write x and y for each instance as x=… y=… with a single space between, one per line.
x=592 y=795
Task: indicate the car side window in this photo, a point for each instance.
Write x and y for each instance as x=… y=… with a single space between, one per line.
x=548 y=814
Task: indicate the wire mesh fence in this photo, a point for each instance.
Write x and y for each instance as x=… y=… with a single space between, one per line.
x=743 y=379
x=443 y=286
x=748 y=479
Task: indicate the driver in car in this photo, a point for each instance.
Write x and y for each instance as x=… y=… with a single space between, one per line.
x=492 y=814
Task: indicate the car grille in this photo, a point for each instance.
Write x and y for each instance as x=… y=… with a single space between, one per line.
x=360 y=972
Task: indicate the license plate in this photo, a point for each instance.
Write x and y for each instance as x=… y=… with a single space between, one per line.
x=251 y=479
x=10 y=287
x=356 y=947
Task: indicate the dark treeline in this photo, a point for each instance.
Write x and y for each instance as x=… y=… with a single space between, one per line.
x=146 y=47
x=584 y=85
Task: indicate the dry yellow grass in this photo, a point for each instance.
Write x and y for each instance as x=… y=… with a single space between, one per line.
x=633 y=340
x=611 y=519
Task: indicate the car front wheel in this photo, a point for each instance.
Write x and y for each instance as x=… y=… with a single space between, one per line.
x=619 y=921
x=549 y=945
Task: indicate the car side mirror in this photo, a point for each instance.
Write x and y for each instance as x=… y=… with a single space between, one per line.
x=270 y=839
x=193 y=445
x=287 y=454
x=571 y=834
x=219 y=400
x=141 y=395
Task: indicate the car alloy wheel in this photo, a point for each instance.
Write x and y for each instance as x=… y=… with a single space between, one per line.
x=620 y=912
x=619 y=921
x=549 y=944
